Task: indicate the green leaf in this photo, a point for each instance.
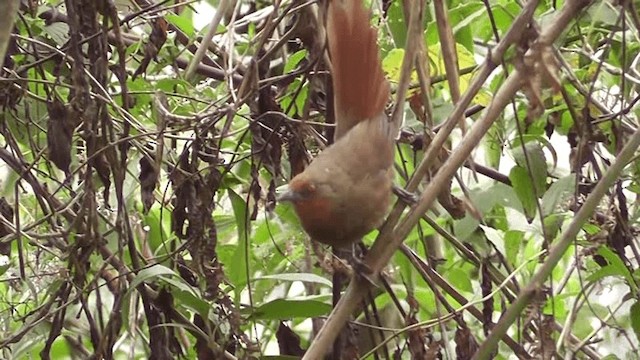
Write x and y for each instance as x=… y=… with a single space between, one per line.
x=566 y=123
x=186 y=294
x=304 y=277
x=512 y=244
x=151 y=272
x=301 y=100
x=523 y=186
x=237 y=271
x=295 y=106
x=604 y=272
x=467 y=13
x=460 y=279
x=602 y=14
x=58 y=31
x=158 y=224
x=537 y=162
x=610 y=357
x=552 y=225
x=395 y=21
x=392 y=63
x=5 y=267
x=294 y=60
x=559 y=192
x=493 y=145
x=615 y=267
x=192 y=302
x=634 y=314
x=282 y=309
x=503 y=16
x=181 y=22
x=180 y=284
x=494 y=236
x=170 y=85
x=591 y=229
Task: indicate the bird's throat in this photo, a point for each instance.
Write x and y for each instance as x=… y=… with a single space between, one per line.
x=317 y=215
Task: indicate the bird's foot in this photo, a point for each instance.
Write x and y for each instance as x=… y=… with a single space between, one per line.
x=362 y=271
x=405 y=196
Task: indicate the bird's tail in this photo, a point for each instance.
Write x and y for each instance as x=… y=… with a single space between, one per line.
x=360 y=88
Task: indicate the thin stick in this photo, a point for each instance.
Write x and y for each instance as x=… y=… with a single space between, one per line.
x=386 y=245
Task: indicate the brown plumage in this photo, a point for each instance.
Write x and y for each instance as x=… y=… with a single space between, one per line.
x=345 y=192
x=360 y=88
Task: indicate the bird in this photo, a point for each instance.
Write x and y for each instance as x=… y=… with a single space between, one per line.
x=345 y=192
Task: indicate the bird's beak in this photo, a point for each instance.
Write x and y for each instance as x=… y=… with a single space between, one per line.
x=288 y=196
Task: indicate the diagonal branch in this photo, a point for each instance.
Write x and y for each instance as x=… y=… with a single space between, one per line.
x=386 y=244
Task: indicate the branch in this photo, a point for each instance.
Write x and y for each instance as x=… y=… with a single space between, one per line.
x=389 y=239
x=354 y=294
x=7 y=17
x=204 y=45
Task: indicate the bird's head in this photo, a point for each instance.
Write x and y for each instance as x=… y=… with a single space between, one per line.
x=312 y=200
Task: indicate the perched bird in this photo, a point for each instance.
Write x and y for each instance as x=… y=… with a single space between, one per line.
x=346 y=190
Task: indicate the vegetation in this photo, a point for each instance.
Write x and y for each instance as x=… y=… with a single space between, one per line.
x=141 y=158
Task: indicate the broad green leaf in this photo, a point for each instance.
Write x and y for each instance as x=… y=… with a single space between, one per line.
x=602 y=14
x=404 y=267
x=555 y=307
x=512 y=245
x=193 y=302
x=615 y=267
x=151 y=272
x=503 y=16
x=610 y=357
x=295 y=106
x=304 y=277
x=604 y=272
x=237 y=271
x=181 y=22
x=282 y=309
x=392 y=63
x=552 y=225
x=158 y=221
x=590 y=229
x=170 y=85
x=566 y=123
x=537 y=162
x=634 y=314
x=467 y=14
x=496 y=237
x=4 y=267
x=460 y=279
x=178 y=283
x=58 y=31
x=523 y=186
x=293 y=61
x=301 y=100
x=396 y=23
x=559 y=192
x=427 y=300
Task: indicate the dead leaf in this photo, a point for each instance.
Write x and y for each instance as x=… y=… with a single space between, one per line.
x=288 y=341
x=466 y=344
x=148 y=180
x=151 y=49
x=59 y=133
x=7 y=212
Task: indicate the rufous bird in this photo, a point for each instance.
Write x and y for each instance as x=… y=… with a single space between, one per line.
x=346 y=190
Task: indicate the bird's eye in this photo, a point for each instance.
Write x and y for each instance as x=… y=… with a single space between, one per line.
x=308 y=190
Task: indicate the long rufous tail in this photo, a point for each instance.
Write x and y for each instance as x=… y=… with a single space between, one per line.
x=360 y=88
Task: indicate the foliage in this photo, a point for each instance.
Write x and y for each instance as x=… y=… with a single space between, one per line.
x=139 y=215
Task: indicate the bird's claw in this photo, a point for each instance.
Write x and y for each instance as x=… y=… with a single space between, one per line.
x=362 y=271
x=405 y=196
